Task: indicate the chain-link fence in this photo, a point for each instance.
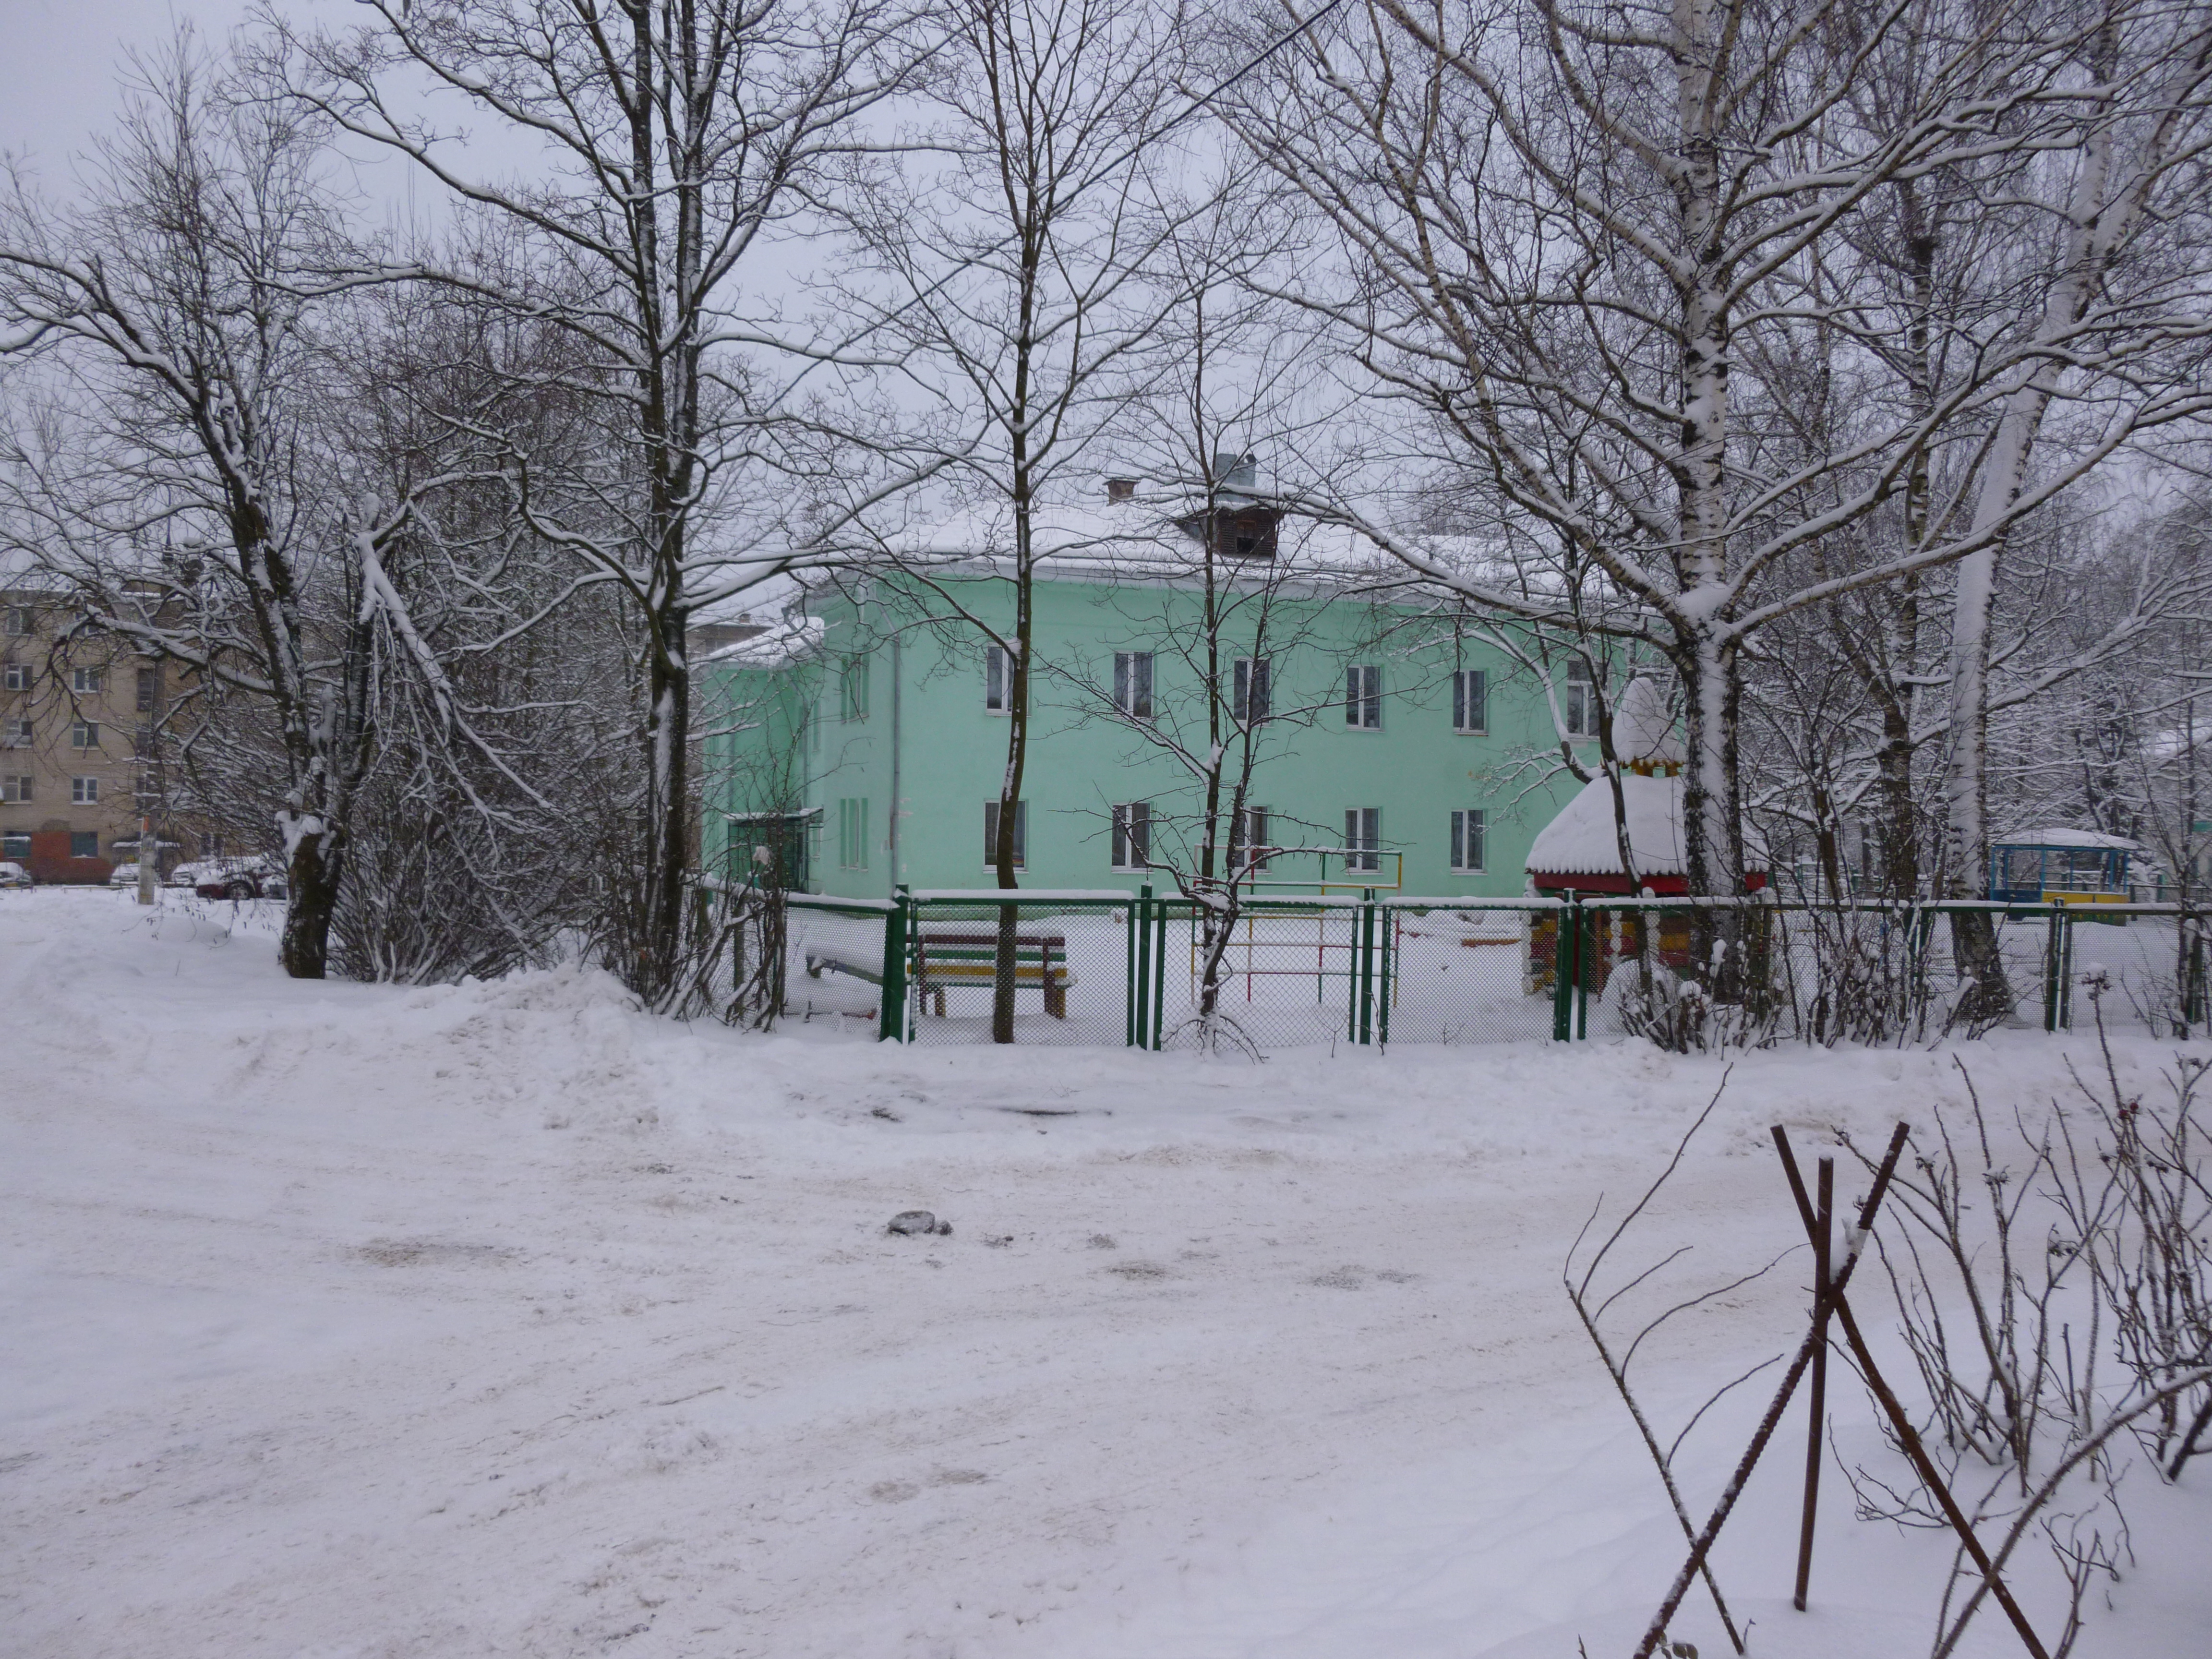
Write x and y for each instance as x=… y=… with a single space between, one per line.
x=1264 y=975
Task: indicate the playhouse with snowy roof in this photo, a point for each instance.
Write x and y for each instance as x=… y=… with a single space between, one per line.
x=1579 y=851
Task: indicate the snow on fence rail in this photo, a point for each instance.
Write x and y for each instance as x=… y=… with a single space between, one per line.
x=1094 y=968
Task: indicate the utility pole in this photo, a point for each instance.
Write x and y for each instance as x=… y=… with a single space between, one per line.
x=148 y=856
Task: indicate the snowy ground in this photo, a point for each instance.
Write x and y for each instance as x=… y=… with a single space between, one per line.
x=500 y=1319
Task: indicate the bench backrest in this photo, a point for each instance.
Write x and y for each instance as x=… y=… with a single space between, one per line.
x=984 y=947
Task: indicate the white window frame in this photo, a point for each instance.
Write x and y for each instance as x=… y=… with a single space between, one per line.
x=84 y=734
x=18 y=735
x=853 y=689
x=1363 y=697
x=1362 y=838
x=1471 y=828
x=998 y=680
x=1134 y=684
x=1021 y=834
x=18 y=788
x=84 y=791
x=16 y=676
x=853 y=833
x=1579 y=712
x=17 y=620
x=1471 y=696
x=85 y=681
x=1250 y=831
x=1251 y=689
x=1132 y=836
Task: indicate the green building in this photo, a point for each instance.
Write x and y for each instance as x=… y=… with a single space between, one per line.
x=1384 y=750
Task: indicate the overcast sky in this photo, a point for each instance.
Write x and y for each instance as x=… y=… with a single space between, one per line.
x=58 y=67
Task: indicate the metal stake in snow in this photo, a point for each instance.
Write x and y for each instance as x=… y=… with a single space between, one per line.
x=1656 y=1631
x=1820 y=1223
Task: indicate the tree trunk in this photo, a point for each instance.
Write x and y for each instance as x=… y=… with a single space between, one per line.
x=313 y=879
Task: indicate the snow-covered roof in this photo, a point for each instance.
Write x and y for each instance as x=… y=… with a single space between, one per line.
x=1142 y=538
x=2050 y=837
x=1582 y=840
x=781 y=644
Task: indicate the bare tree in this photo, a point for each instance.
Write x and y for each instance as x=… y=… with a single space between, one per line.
x=1012 y=275
x=680 y=144
x=177 y=471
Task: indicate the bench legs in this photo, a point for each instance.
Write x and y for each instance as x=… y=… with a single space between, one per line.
x=1055 y=997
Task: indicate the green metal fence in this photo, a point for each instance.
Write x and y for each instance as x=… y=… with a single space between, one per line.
x=1154 y=970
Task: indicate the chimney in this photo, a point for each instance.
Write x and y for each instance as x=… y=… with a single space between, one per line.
x=1232 y=470
x=1120 y=490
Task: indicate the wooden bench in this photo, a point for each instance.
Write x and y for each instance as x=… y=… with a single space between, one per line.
x=943 y=959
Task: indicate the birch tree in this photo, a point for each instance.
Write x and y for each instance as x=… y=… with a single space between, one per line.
x=1577 y=237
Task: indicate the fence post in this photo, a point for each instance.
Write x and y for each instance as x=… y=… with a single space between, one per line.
x=890 y=1023
x=1159 y=970
x=2051 y=970
x=1566 y=937
x=1586 y=966
x=1386 y=922
x=2066 y=970
x=1364 y=990
x=1142 y=932
x=1129 y=978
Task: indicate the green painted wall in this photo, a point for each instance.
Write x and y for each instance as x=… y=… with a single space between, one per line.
x=754 y=758
x=883 y=670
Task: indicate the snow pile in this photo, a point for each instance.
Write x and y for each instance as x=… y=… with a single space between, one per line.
x=354 y=1321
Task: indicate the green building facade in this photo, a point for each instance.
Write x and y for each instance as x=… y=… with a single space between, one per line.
x=1376 y=733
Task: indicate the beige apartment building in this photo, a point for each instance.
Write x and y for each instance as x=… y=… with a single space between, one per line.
x=79 y=760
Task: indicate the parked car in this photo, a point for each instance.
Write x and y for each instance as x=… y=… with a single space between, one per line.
x=124 y=875
x=240 y=878
x=15 y=875
x=185 y=875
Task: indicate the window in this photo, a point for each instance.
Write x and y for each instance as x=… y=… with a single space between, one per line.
x=16 y=844
x=1132 y=836
x=16 y=676
x=1249 y=700
x=149 y=689
x=853 y=834
x=1470 y=831
x=1248 y=832
x=853 y=689
x=998 y=680
x=16 y=788
x=1362 y=698
x=142 y=746
x=1581 y=709
x=85 y=734
x=1362 y=838
x=15 y=620
x=17 y=734
x=1132 y=683
x=1021 y=834
x=1471 y=700
x=84 y=843
x=84 y=791
x=86 y=680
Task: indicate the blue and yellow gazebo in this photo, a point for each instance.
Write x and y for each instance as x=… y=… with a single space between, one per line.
x=2072 y=867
